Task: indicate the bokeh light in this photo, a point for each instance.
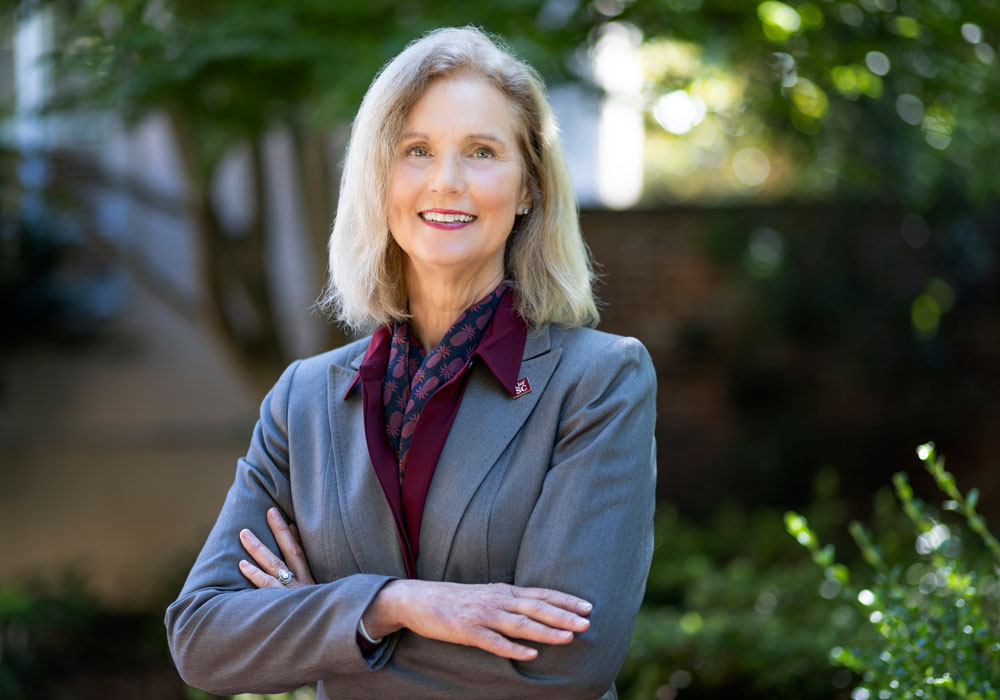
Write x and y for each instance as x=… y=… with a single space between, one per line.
x=678 y=112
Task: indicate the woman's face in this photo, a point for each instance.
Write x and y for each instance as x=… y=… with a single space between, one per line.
x=457 y=182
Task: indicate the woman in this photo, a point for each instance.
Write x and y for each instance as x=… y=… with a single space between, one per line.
x=472 y=485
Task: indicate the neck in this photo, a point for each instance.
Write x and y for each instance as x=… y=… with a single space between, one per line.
x=435 y=302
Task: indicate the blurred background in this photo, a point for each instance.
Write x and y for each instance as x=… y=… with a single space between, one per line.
x=793 y=205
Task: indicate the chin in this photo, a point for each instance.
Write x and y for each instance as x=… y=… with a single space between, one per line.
x=450 y=259
x=445 y=262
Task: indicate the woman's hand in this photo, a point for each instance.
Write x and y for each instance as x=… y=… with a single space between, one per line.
x=479 y=615
x=270 y=569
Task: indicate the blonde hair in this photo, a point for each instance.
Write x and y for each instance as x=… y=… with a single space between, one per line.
x=546 y=260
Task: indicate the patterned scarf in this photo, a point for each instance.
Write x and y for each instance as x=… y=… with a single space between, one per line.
x=412 y=377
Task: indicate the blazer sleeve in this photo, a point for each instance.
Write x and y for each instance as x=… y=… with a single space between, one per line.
x=591 y=531
x=225 y=635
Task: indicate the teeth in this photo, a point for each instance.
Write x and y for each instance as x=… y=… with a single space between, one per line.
x=446 y=218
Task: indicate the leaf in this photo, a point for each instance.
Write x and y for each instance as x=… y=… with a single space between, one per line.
x=903 y=489
x=839 y=573
x=824 y=557
x=971 y=500
x=794 y=523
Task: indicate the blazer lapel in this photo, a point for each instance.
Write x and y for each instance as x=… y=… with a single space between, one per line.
x=487 y=421
x=368 y=521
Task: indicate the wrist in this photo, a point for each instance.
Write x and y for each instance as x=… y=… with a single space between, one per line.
x=382 y=617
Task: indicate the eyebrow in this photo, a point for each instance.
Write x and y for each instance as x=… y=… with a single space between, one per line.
x=487 y=136
x=476 y=136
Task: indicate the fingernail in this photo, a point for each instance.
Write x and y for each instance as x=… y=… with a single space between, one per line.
x=586 y=607
x=244 y=533
x=565 y=633
x=244 y=563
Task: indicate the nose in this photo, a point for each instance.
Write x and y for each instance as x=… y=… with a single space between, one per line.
x=446 y=175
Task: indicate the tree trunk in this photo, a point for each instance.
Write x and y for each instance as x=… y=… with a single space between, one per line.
x=319 y=188
x=237 y=310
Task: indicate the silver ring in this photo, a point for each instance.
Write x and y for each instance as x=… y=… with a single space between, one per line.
x=285 y=576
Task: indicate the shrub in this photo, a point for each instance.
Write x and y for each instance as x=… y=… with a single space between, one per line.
x=933 y=626
x=731 y=610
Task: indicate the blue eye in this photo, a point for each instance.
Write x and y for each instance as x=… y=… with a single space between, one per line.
x=419 y=151
x=484 y=153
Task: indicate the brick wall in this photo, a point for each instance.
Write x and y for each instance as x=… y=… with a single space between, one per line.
x=664 y=284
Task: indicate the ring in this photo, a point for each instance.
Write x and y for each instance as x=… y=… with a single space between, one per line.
x=285 y=576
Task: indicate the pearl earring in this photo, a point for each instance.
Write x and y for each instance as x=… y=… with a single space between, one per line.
x=524 y=211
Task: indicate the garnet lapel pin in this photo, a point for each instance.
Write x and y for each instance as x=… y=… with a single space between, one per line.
x=522 y=387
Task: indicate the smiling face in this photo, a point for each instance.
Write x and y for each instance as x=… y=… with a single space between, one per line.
x=458 y=182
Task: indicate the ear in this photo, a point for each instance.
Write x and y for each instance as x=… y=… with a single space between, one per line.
x=524 y=199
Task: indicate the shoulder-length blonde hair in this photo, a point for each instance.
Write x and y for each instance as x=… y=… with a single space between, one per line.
x=546 y=259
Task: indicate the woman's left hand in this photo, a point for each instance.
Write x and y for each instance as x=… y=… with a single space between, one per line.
x=271 y=570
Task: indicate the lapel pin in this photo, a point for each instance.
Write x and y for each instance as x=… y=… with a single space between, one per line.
x=522 y=387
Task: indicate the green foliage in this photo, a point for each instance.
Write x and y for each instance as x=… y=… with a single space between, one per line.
x=730 y=611
x=892 y=98
x=57 y=640
x=934 y=625
x=889 y=98
x=234 y=69
x=37 y=623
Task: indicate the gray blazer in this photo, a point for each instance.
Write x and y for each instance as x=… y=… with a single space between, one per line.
x=554 y=488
